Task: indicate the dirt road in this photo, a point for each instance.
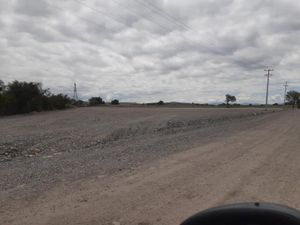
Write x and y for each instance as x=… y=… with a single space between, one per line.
x=251 y=160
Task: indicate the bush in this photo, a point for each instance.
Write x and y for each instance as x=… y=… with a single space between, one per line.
x=94 y=101
x=24 y=97
x=160 y=102
x=59 y=101
x=79 y=103
x=115 y=102
x=2 y=104
x=2 y=86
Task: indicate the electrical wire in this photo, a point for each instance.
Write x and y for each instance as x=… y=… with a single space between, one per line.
x=167 y=16
x=164 y=14
x=103 y=13
x=100 y=12
x=137 y=15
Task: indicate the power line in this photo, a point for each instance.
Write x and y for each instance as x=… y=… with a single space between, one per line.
x=116 y=20
x=163 y=14
x=268 y=82
x=172 y=20
x=169 y=16
x=76 y=15
x=133 y=13
x=101 y=12
x=90 y=21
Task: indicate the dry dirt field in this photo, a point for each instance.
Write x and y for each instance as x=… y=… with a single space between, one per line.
x=144 y=166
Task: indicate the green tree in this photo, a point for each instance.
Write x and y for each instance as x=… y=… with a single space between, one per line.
x=59 y=101
x=94 y=101
x=24 y=97
x=115 y=102
x=293 y=98
x=229 y=98
x=2 y=86
x=160 y=102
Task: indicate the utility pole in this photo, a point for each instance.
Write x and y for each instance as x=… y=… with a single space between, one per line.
x=75 y=94
x=285 y=89
x=268 y=82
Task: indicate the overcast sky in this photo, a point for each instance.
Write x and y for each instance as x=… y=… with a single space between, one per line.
x=150 y=50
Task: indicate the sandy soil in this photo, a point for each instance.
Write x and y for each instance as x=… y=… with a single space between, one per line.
x=202 y=158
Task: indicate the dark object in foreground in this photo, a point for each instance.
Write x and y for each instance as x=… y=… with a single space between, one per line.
x=246 y=214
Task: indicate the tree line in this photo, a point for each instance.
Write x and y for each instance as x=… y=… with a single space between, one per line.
x=24 y=97
x=95 y=101
x=292 y=98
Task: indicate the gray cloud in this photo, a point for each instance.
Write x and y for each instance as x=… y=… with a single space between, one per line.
x=197 y=52
x=32 y=8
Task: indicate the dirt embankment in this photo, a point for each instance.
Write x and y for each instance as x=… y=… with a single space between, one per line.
x=27 y=136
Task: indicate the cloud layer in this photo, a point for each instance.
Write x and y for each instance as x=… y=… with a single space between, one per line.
x=143 y=51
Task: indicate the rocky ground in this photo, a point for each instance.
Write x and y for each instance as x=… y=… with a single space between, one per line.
x=41 y=152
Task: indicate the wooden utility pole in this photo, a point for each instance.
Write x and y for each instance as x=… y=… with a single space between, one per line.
x=268 y=83
x=285 y=89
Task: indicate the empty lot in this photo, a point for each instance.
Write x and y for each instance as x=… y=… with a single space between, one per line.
x=143 y=165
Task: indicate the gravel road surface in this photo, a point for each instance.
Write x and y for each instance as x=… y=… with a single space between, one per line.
x=144 y=166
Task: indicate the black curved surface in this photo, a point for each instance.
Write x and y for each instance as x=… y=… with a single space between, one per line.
x=246 y=214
